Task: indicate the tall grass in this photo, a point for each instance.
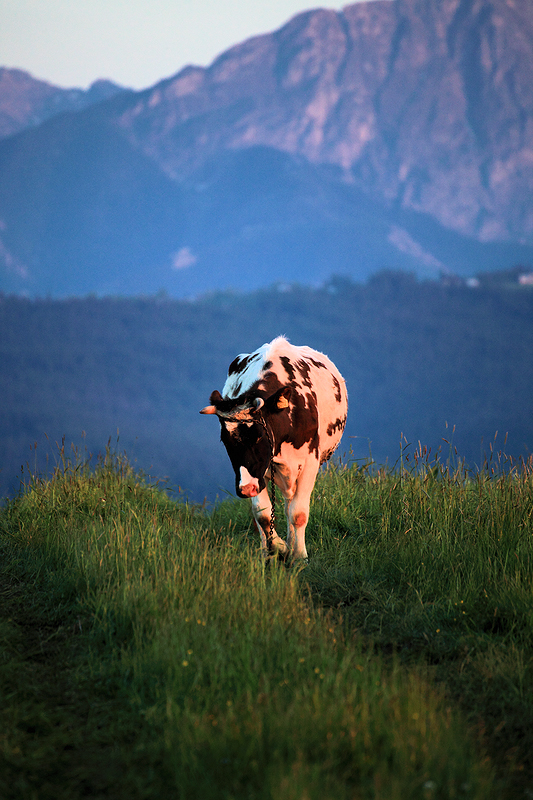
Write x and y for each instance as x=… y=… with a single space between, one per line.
x=448 y=546
x=166 y=646
x=436 y=562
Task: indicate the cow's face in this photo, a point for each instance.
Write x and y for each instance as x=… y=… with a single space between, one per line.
x=249 y=450
x=245 y=437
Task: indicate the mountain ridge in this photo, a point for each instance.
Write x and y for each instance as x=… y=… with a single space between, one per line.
x=406 y=134
x=26 y=101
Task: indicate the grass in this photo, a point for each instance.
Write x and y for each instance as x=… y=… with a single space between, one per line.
x=147 y=651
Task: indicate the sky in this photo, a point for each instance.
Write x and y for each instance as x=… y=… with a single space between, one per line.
x=135 y=43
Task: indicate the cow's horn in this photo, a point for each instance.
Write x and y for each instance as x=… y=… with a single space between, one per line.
x=258 y=403
x=208 y=410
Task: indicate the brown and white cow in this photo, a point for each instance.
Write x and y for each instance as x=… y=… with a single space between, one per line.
x=282 y=408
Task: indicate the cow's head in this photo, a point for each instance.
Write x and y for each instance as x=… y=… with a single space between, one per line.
x=248 y=432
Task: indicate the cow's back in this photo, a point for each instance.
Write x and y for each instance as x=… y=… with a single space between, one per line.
x=315 y=379
x=332 y=401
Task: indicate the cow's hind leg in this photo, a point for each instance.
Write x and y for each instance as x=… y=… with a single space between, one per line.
x=271 y=543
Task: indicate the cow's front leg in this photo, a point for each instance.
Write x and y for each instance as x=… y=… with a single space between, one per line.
x=271 y=543
x=298 y=511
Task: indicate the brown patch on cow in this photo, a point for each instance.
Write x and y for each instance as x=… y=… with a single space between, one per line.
x=268 y=384
x=326 y=455
x=288 y=367
x=336 y=384
x=317 y=364
x=239 y=364
x=338 y=425
x=299 y=519
x=305 y=371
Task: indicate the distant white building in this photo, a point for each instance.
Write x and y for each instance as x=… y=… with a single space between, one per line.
x=526 y=279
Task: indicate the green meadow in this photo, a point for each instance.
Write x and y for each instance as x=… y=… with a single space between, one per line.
x=147 y=651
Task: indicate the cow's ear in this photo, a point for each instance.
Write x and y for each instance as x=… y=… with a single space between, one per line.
x=215 y=398
x=283 y=401
x=280 y=399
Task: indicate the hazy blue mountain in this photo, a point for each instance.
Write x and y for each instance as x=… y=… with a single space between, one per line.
x=26 y=101
x=389 y=135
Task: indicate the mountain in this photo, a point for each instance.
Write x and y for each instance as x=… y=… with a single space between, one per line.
x=26 y=101
x=393 y=134
x=426 y=103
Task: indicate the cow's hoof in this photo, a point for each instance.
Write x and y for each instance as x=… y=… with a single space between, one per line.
x=299 y=563
x=278 y=549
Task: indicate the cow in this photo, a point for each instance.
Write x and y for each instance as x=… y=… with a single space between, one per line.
x=282 y=412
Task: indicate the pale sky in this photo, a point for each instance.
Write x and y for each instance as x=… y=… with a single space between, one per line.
x=71 y=43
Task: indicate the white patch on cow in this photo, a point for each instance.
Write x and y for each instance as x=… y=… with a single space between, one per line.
x=241 y=382
x=246 y=480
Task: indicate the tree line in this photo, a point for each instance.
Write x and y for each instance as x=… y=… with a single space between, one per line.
x=423 y=361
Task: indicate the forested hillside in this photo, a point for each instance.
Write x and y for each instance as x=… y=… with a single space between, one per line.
x=419 y=358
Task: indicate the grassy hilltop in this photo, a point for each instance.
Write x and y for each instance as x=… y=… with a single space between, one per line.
x=148 y=652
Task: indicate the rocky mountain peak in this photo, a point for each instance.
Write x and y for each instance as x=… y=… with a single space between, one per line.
x=427 y=103
x=392 y=134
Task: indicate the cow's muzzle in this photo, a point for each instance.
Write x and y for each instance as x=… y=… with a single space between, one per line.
x=250 y=490
x=248 y=486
